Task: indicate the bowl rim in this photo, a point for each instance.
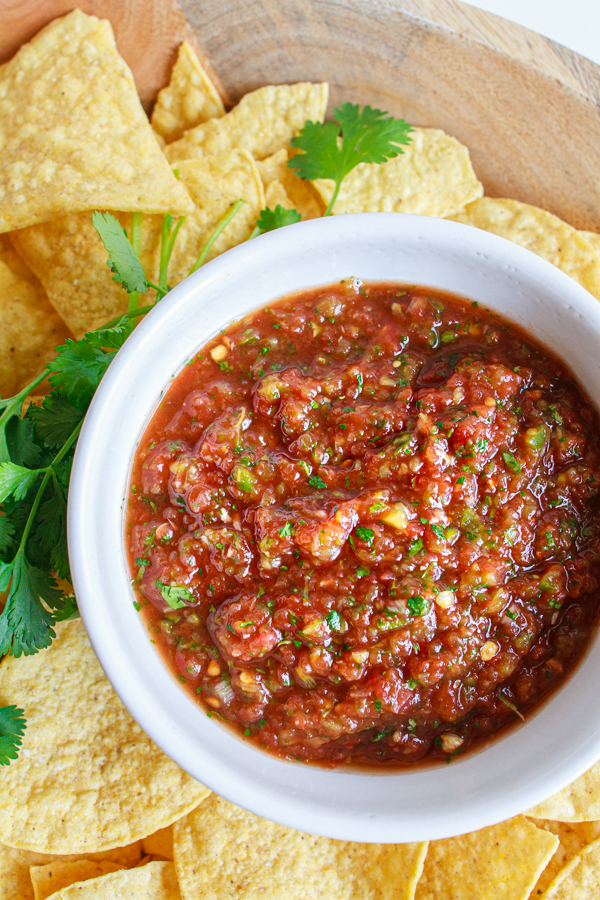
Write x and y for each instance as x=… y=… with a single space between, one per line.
x=228 y=765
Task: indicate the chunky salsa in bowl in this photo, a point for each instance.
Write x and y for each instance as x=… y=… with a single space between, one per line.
x=363 y=525
x=286 y=494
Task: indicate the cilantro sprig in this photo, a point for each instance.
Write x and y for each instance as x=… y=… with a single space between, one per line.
x=37 y=444
x=333 y=149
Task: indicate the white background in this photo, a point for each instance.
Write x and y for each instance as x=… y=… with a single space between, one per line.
x=574 y=23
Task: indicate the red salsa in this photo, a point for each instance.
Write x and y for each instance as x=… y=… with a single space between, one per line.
x=363 y=525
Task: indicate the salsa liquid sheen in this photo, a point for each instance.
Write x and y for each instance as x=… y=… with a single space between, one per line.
x=363 y=525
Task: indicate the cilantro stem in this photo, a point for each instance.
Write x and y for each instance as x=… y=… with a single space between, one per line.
x=222 y=224
x=134 y=313
x=11 y=407
x=136 y=242
x=164 y=260
x=14 y=400
x=333 y=199
x=167 y=242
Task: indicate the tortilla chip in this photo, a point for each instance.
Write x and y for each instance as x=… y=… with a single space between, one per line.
x=155 y=881
x=15 y=883
x=580 y=879
x=160 y=843
x=30 y=329
x=54 y=876
x=579 y=802
x=275 y=195
x=68 y=257
x=215 y=183
x=592 y=238
x=73 y=133
x=222 y=850
x=78 y=790
x=281 y=183
x=573 y=838
x=189 y=99
x=433 y=177
x=15 y=880
x=498 y=863
x=542 y=233
x=263 y=122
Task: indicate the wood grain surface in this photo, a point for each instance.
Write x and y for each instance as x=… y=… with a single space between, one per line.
x=527 y=108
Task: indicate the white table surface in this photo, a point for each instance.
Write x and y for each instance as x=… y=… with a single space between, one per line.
x=574 y=23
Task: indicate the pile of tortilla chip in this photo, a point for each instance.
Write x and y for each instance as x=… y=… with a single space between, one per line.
x=92 y=808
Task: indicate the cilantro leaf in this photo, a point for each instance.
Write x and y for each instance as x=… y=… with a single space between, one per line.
x=16 y=480
x=111 y=338
x=7 y=530
x=12 y=729
x=21 y=445
x=334 y=619
x=77 y=370
x=55 y=420
x=321 y=157
x=51 y=533
x=26 y=623
x=270 y=219
x=122 y=258
x=79 y=366
x=175 y=595
x=333 y=149
x=69 y=610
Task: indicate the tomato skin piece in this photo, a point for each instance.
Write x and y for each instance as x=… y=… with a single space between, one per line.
x=242 y=629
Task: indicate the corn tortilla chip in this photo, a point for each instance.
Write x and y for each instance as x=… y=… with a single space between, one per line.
x=15 y=880
x=573 y=838
x=69 y=258
x=88 y=788
x=498 y=863
x=263 y=122
x=160 y=843
x=155 y=881
x=222 y=850
x=52 y=877
x=542 y=233
x=215 y=183
x=73 y=133
x=580 y=879
x=276 y=195
x=579 y=802
x=189 y=99
x=433 y=177
x=30 y=328
x=280 y=182
x=592 y=238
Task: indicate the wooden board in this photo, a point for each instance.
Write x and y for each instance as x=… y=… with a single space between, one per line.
x=527 y=108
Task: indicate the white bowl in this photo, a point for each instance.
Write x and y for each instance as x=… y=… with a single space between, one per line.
x=516 y=771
